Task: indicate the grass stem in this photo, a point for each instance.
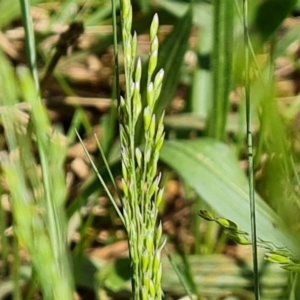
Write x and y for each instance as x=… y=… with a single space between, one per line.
x=250 y=152
x=30 y=41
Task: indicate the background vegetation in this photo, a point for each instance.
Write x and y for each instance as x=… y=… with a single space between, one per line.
x=60 y=235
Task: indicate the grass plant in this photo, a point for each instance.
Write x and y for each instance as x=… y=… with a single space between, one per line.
x=37 y=188
x=142 y=195
x=132 y=141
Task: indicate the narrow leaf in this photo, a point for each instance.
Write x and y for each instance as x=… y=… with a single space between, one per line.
x=170 y=59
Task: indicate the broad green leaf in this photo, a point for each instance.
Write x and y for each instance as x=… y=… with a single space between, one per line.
x=211 y=168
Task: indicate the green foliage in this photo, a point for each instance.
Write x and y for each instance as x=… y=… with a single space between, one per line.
x=34 y=168
x=223 y=186
x=37 y=199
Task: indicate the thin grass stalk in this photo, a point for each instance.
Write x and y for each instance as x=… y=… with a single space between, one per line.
x=140 y=182
x=110 y=174
x=29 y=41
x=189 y=274
x=111 y=198
x=180 y=275
x=250 y=152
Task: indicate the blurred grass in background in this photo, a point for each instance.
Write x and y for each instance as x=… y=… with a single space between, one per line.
x=59 y=233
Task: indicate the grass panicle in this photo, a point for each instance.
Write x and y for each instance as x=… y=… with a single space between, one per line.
x=142 y=194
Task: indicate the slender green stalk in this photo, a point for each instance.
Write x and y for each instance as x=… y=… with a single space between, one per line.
x=181 y=277
x=29 y=41
x=250 y=153
x=140 y=183
x=111 y=198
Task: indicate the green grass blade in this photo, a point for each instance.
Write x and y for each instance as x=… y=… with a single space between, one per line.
x=33 y=215
x=183 y=280
x=221 y=67
x=202 y=77
x=42 y=125
x=170 y=58
x=52 y=151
